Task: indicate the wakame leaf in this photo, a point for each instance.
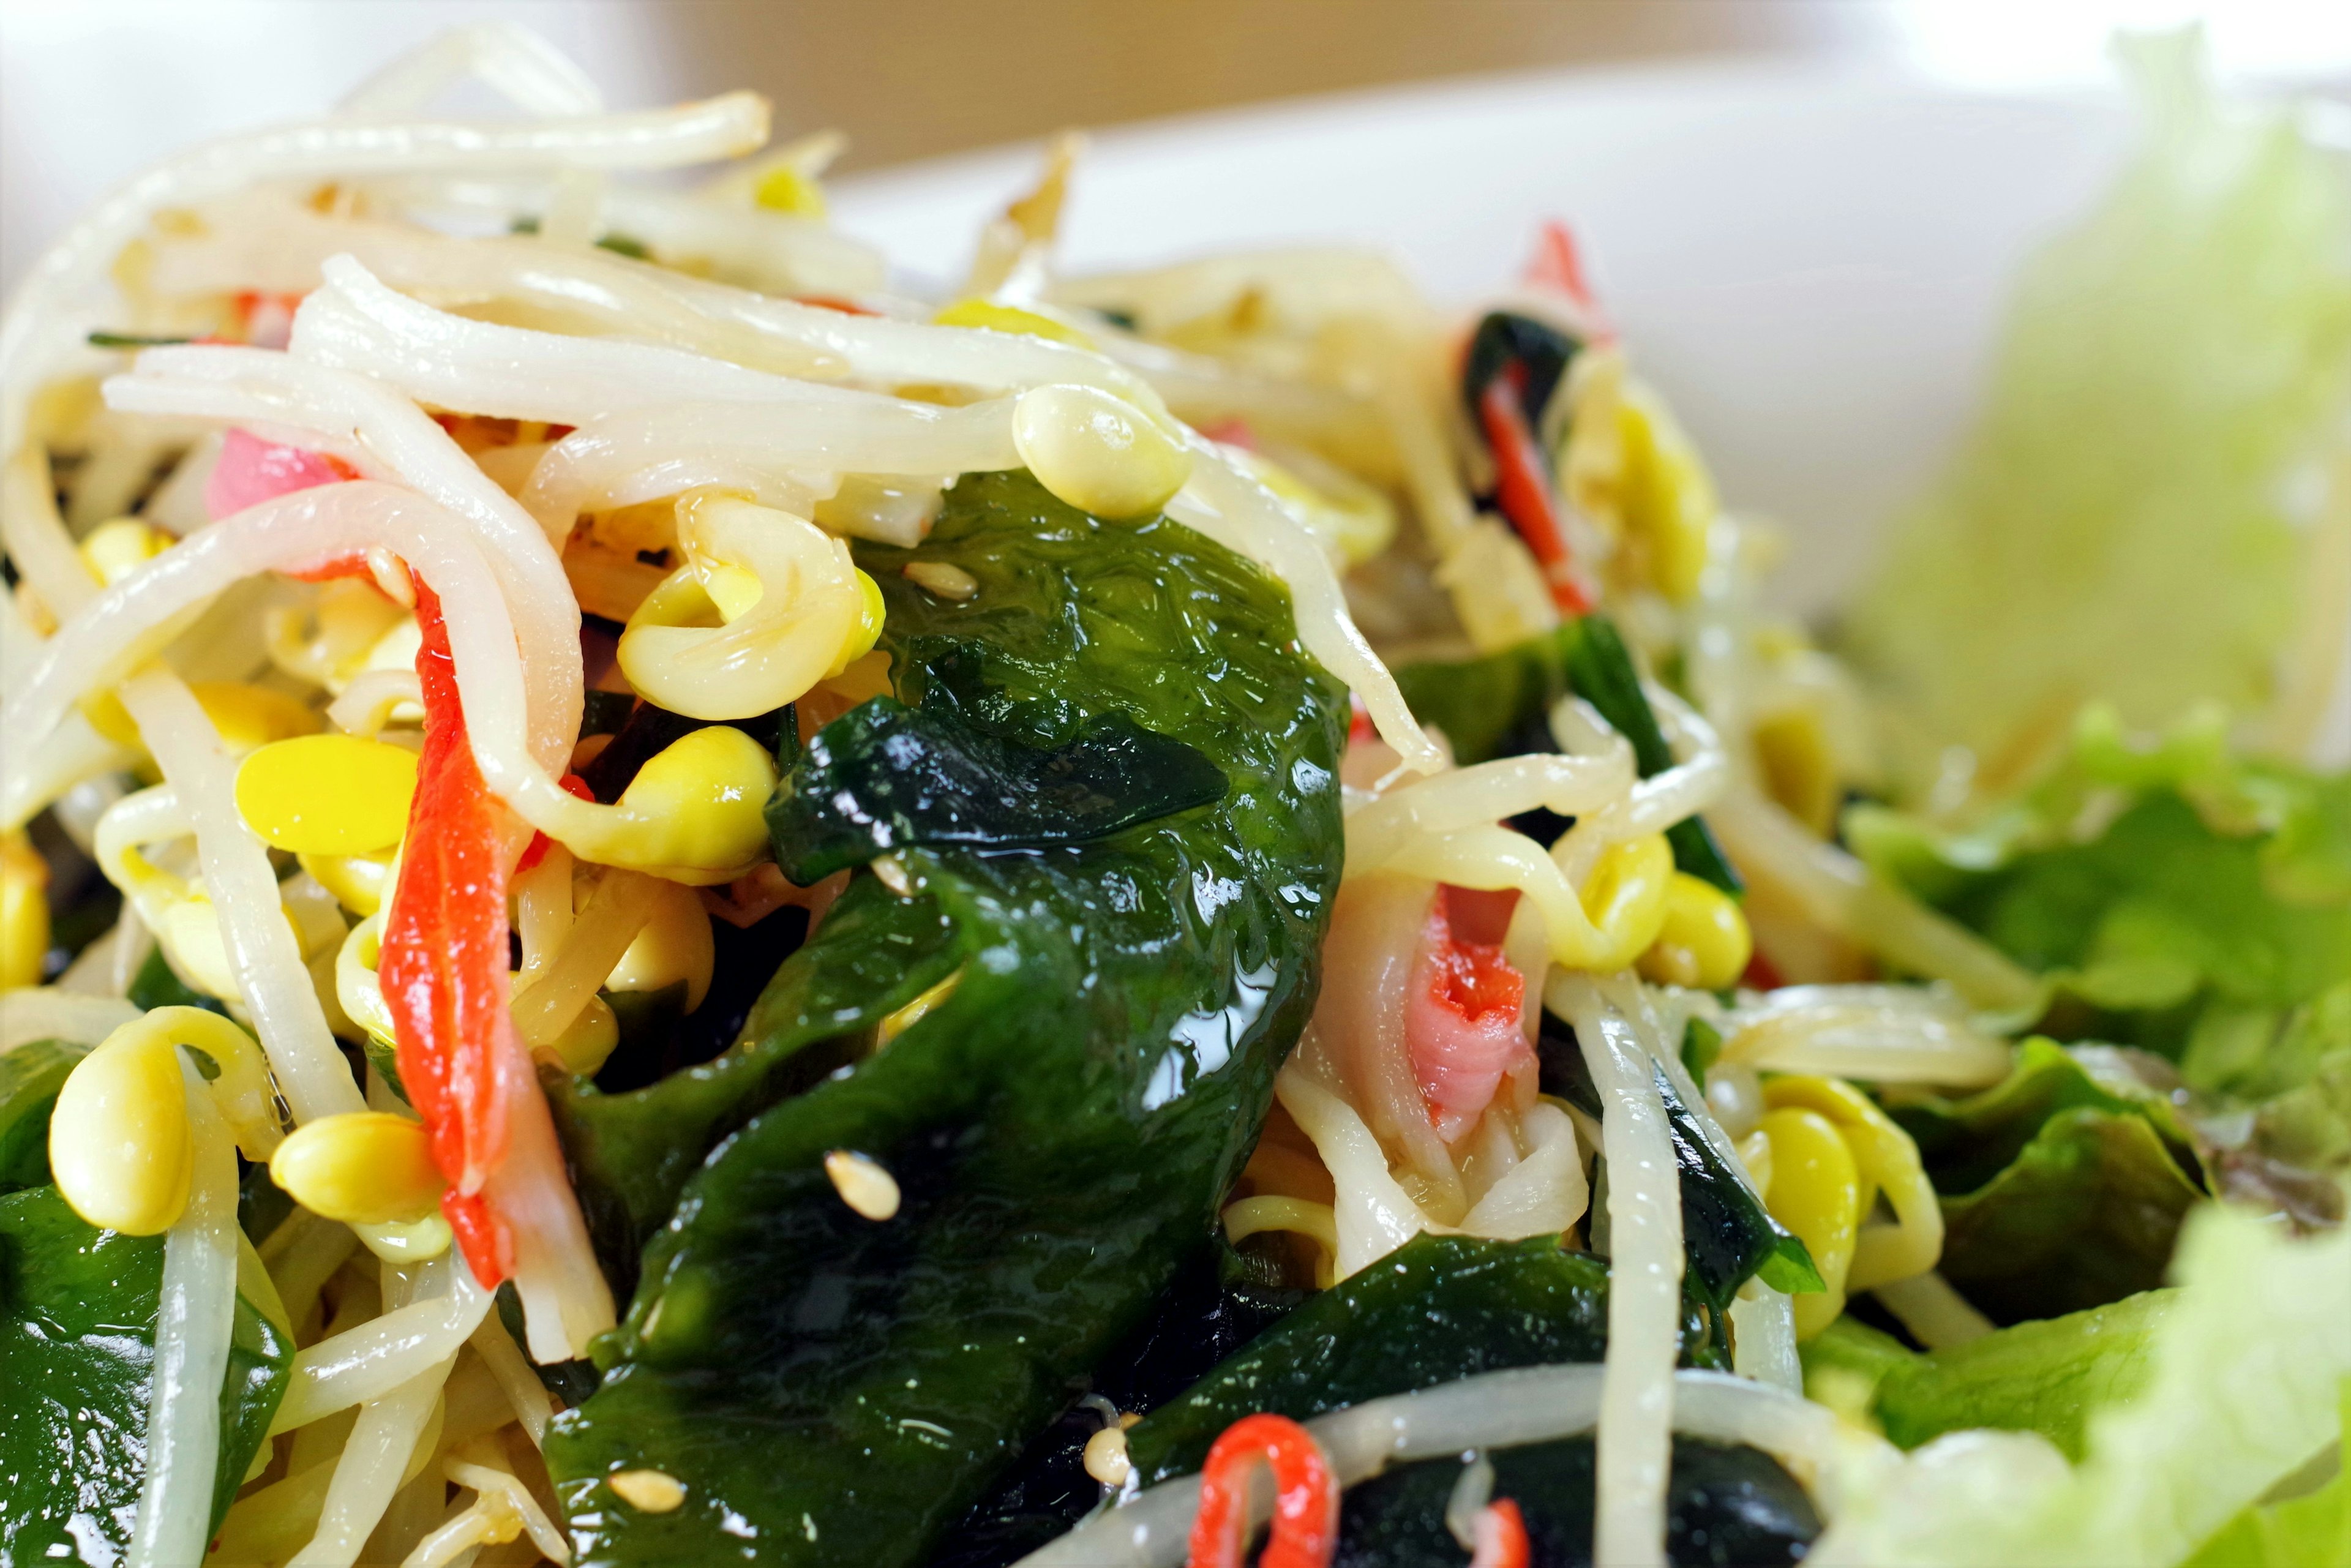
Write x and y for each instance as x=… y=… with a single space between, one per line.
x=1442 y=1308
x=30 y=1077
x=78 y=1309
x=1059 y=1125
x=1725 y=1507
x=1438 y=1309
x=885 y=776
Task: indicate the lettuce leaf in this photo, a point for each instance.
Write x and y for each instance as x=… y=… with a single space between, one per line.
x=2309 y=1531
x=2246 y=1365
x=2117 y=525
x=2046 y=1376
x=2063 y=1184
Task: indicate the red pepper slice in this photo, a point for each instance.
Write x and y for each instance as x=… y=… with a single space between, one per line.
x=1558 y=268
x=1522 y=488
x=1306 y=1497
x=445 y=954
x=1502 y=1537
x=574 y=784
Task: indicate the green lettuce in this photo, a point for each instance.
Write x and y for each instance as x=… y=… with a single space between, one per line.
x=2047 y=1377
x=2062 y=1185
x=2310 y=1529
x=2117 y=525
x=2241 y=1393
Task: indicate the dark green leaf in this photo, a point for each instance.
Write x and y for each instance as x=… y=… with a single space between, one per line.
x=1438 y=1309
x=2086 y=1215
x=77 y=1309
x=1539 y=351
x=1601 y=671
x=30 y=1077
x=1061 y=1128
x=884 y=777
x=1725 y=1508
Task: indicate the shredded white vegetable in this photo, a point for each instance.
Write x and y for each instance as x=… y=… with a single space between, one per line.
x=1645 y=1277
x=193 y=1324
x=1492 y=1410
x=273 y=982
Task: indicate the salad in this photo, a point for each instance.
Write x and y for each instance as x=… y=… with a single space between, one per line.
x=668 y=899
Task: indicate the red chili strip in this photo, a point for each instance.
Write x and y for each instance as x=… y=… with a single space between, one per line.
x=444 y=955
x=1523 y=487
x=574 y=784
x=1306 y=1497
x=1502 y=1537
x=1558 y=267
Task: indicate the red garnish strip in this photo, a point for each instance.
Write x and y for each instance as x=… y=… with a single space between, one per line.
x=1501 y=1536
x=1306 y=1497
x=1558 y=268
x=443 y=959
x=1522 y=488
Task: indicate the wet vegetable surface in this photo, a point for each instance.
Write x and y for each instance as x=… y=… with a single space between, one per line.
x=1728 y=1234
x=1726 y=1507
x=832 y=1388
x=77 y=1309
x=888 y=777
x=1437 y=1308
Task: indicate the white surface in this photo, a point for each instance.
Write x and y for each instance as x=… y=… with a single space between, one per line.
x=1810 y=263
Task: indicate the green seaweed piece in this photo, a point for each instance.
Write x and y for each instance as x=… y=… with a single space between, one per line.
x=1059 y=1128
x=887 y=776
x=77 y=1311
x=1438 y=1309
x=30 y=1077
x=1726 y=1507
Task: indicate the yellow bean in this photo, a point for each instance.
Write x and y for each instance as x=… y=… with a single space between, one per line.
x=995 y=317
x=119 y=1139
x=764 y=606
x=1816 y=1192
x=789 y=190
x=648 y=1491
x=360 y=882
x=675 y=944
x=1799 y=770
x=1097 y=452
x=868 y=630
x=1888 y=1162
x=696 y=806
x=361 y=1168
x=328 y=794
x=1667 y=498
x=246 y=716
x=1704 y=943
x=23 y=911
x=1624 y=896
x=114 y=550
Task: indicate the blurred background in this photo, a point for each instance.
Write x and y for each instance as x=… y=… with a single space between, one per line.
x=92 y=89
